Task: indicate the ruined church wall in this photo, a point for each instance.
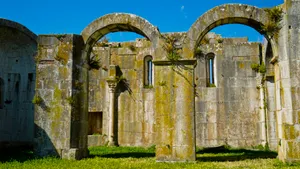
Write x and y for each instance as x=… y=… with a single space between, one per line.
x=228 y=114
x=17 y=73
x=134 y=102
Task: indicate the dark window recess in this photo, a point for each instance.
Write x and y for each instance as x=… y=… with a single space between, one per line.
x=95 y=123
x=1 y=93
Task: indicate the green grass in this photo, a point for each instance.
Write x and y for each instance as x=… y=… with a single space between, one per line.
x=135 y=157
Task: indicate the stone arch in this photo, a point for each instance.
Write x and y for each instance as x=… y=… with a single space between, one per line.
x=117 y=22
x=221 y=15
x=19 y=27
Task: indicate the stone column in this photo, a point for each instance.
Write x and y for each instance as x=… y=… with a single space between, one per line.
x=175 y=110
x=112 y=84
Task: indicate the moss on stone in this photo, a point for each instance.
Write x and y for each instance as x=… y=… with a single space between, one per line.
x=63 y=53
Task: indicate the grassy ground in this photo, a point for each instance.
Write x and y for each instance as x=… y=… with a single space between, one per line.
x=135 y=157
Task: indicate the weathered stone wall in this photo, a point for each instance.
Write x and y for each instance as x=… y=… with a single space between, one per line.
x=240 y=111
x=134 y=101
x=58 y=99
x=228 y=113
x=287 y=86
x=17 y=73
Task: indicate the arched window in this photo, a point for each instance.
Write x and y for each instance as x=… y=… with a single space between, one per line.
x=1 y=93
x=148 y=71
x=210 y=74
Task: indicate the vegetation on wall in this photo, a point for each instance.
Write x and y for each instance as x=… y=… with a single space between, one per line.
x=204 y=41
x=132 y=47
x=220 y=40
x=211 y=85
x=63 y=53
x=94 y=62
x=162 y=83
x=174 y=53
x=261 y=68
x=148 y=86
x=37 y=100
x=272 y=27
x=198 y=52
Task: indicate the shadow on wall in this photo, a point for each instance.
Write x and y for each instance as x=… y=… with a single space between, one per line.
x=45 y=146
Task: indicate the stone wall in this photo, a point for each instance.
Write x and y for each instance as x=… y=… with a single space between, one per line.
x=60 y=124
x=17 y=76
x=287 y=68
x=228 y=113
x=217 y=108
x=134 y=101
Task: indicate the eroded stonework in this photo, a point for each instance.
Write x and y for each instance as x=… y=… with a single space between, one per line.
x=176 y=91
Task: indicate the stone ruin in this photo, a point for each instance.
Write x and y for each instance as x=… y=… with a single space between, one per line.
x=63 y=93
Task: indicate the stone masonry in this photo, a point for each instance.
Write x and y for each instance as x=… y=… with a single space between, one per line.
x=63 y=93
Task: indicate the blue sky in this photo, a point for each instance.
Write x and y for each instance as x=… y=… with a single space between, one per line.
x=72 y=16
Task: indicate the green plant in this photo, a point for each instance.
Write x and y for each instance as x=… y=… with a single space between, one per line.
x=204 y=41
x=211 y=85
x=120 y=78
x=132 y=47
x=272 y=27
x=262 y=68
x=61 y=36
x=148 y=86
x=255 y=66
x=37 y=100
x=173 y=53
x=162 y=83
x=220 y=40
x=70 y=100
x=198 y=52
x=94 y=62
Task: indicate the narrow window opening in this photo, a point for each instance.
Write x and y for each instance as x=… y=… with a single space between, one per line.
x=1 y=93
x=95 y=123
x=210 y=70
x=148 y=69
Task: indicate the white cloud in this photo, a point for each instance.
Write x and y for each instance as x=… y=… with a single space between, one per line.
x=182 y=8
x=183 y=12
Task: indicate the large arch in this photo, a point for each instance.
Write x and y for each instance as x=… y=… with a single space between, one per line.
x=19 y=27
x=117 y=22
x=225 y=14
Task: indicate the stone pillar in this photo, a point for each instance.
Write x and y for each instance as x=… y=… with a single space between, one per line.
x=112 y=84
x=262 y=115
x=61 y=98
x=175 y=110
x=287 y=84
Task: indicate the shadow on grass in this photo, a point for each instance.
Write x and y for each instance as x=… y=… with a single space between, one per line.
x=125 y=155
x=16 y=154
x=226 y=154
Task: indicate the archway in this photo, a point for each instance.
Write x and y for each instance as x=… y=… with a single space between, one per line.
x=110 y=23
x=228 y=14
